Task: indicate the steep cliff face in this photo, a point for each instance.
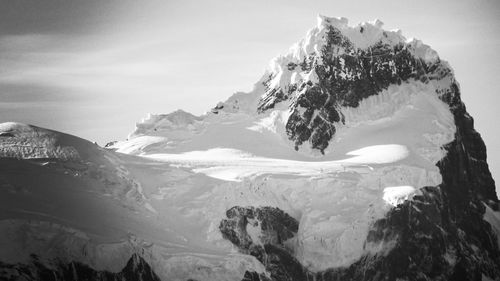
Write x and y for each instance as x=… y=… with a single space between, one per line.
x=261 y=232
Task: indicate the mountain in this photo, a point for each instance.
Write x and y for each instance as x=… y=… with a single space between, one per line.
x=353 y=158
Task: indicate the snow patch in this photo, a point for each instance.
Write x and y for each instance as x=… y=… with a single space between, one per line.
x=414 y=112
x=378 y=154
x=274 y=123
x=137 y=145
x=396 y=195
x=493 y=218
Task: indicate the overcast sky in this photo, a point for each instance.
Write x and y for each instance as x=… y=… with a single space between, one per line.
x=95 y=67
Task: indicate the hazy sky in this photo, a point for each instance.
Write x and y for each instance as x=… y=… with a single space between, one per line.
x=95 y=67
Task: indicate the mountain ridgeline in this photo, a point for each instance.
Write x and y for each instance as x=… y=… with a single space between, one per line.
x=345 y=75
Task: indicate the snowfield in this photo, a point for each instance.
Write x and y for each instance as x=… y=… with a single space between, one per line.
x=380 y=158
x=199 y=167
x=108 y=205
x=235 y=165
x=396 y=195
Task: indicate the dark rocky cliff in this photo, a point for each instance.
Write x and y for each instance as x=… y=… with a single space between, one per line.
x=136 y=269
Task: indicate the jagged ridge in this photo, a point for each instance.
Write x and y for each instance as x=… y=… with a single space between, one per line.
x=339 y=75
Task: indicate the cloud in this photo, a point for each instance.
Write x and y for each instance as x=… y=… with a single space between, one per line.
x=25 y=93
x=37 y=59
x=21 y=17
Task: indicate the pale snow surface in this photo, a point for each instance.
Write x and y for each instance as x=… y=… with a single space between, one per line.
x=24 y=141
x=396 y=195
x=493 y=218
x=136 y=144
x=393 y=139
x=235 y=165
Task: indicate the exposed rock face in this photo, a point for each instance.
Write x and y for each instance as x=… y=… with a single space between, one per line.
x=343 y=76
x=273 y=227
x=136 y=269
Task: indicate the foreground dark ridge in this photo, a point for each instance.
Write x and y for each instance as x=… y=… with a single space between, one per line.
x=136 y=269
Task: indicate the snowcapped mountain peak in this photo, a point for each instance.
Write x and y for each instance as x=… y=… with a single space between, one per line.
x=362 y=35
x=336 y=66
x=343 y=23
x=314 y=86
x=331 y=21
x=353 y=158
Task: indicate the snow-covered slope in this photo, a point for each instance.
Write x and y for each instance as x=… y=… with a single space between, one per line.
x=29 y=142
x=352 y=158
x=99 y=208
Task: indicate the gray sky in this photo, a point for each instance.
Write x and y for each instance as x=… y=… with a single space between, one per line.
x=95 y=67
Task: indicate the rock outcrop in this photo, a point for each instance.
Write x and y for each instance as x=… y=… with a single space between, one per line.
x=136 y=269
